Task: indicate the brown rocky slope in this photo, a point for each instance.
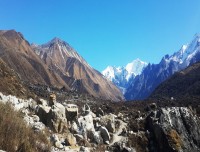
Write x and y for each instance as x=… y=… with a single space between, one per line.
x=59 y=66
x=16 y=52
x=11 y=84
x=63 y=60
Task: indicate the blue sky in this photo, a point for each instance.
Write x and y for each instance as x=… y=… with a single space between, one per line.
x=107 y=32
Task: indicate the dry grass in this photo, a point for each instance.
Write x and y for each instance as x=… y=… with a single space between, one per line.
x=15 y=135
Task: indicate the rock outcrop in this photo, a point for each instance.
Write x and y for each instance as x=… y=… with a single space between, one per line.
x=104 y=134
x=154 y=129
x=53 y=116
x=56 y=118
x=42 y=112
x=174 y=129
x=109 y=122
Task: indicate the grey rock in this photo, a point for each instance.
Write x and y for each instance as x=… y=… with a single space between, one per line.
x=86 y=109
x=84 y=149
x=109 y=122
x=86 y=125
x=35 y=118
x=153 y=106
x=56 y=118
x=54 y=138
x=74 y=127
x=42 y=112
x=100 y=112
x=104 y=134
x=33 y=122
x=121 y=147
x=78 y=137
x=174 y=129
x=71 y=112
x=42 y=102
x=58 y=145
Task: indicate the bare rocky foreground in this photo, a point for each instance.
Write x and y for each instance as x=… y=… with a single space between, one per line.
x=119 y=127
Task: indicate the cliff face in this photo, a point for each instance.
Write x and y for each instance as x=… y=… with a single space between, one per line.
x=174 y=129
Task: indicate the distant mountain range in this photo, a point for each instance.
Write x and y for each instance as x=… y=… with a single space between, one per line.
x=142 y=85
x=120 y=76
x=56 y=64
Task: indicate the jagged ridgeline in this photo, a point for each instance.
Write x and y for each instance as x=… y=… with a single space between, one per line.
x=138 y=79
x=55 y=64
x=144 y=84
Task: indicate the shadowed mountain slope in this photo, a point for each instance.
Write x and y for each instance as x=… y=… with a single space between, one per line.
x=181 y=84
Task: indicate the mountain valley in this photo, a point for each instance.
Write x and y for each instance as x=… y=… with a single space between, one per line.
x=50 y=93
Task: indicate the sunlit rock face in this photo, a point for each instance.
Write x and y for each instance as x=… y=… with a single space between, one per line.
x=74 y=71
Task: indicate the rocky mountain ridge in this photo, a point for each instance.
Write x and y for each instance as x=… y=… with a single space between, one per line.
x=57 y=65
x=144 y=84
x=63 y=60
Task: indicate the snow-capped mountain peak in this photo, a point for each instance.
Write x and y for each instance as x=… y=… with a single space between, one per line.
x=109 y=73
x=143 y=86
x=186 y=53
x=121 y=75
x=135 y=68
x=136 y=75
x=177 y=56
